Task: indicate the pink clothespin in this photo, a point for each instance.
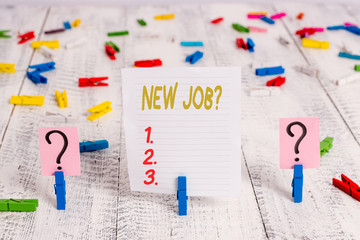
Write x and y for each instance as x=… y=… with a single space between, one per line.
x=350 y=24
x=279 y=15
x=257 y=29
x=254 y=16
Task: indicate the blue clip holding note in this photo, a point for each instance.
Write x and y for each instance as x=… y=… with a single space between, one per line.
x=67 y=25
x=193 y=58
x=181 y=196
x=60 y=190
x=192 y=44
x=268 y=20
x=348 y=55
x=44 y=67
x=269 y=71
x=93 y=146
x=297 y=183
x=250 y=44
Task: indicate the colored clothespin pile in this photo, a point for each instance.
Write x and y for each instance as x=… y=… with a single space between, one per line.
x=306 y=42
x=269 y=71
x=115 y=34
x=148 y=63
x=348 y=55
x=141 y=22
x=7 y=68
x=347 y=186
x=306 y=32
x=181 y=196
x=264 y=91
x=28 y=100
x=326 y=145
x=61 y=99
x=75 y=43
x=3 y=34
x=217 y=20
x=164 y=17
x=110 y=52
x=193 y=58
x=19 y=205
x=247 y=46
x=262 y=16
x=113 y=45
x=256 y=15
x=349 y=27
x=240 y=28
x=349 y=79
x=297 y=183
x=92 y=82
x=192 y=44
x=49 y=44
x=276 y=82
x=310 y=71
x=26 y=37
x=99 y=110
x=90 y=146
x=35 y=75
x=60 y=190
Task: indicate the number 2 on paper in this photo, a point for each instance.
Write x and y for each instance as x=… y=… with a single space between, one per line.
x=151 y=175
x=146 y=162
x=151 y=172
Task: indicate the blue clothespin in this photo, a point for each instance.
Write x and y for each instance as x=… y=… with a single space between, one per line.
x=297 y=183
x=353 y=29
x=348 y=55
x=250 y=44
x=192 y=44
x=44 y=67
x=36 y=77
x=193 y=58
x=268 y=20
x=181 y=196
x=269 y=71
x=93 y=146
x=60 y=190
x=338 y=27
x=67 y=25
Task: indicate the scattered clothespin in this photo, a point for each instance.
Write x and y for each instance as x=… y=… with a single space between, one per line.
x=250 y=45
x=60 y=190
x=3 y=34
x=99 y=110
x=26 y=37
x=92 y=82
x=348 y=79
x=43 y=67
x=255 y=16
x=337 y=27
x=283 y=42
x=276 y=82
x=110 y=52
x=268 y=20
x=192 y=44
x=7 y=68
x=240 y=28
x=181 y=196
x=67 y=25
x=141 y=22
x=19 y=205
x=310 y=71
x=76 y=23
x=164 y=17
x=55 y=31
x=326 y=145
x=91 y=146
x=264 y=91
x=306 y=42
x=49 y=44
x=115 y=34
x=193 y=58
x=348 y=55
x=27 y=100
x=241 y=44
x=217 y=20
x=257 y=29
x=75 y=43
x=279 y=15
x=269 y=71
x=60 y=118
x=357 y=68
x=148 y=63
x=47 y=52
x=297 y=183
x=347 y=186
x=35 y=76
x=61 y=99
x=350 y=24
x=300 y=16
x=113 y=45
x=353 y=29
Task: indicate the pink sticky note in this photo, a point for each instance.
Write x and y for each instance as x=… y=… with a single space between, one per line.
x=52 y=142
x=308 y=147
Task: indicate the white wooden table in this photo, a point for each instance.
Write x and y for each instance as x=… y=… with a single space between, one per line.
x=100 y=204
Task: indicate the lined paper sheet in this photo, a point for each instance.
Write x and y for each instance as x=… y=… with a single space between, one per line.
x=200 y=141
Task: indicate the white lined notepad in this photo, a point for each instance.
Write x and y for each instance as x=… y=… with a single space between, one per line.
x=202 y=144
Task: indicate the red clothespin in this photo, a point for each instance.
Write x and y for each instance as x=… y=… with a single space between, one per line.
x=241 y=44
x=276 y=82
x=110 y=52
x=217 y=20
x=305 y=32
x=26 y=37
x=148 y=63
x=347 y=186
x=92 y=82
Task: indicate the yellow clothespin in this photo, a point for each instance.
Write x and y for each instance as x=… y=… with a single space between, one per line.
x=164 y=17
x=258 y=13
x=28 y=100
x=99 y=110
x=306 y=42
x=61 y=99
x=7 y=67
x=76 y=23
x=49 y=44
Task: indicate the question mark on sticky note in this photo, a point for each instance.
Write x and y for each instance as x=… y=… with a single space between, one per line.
x=66 y=143
x=218 y=88
x=291 y=134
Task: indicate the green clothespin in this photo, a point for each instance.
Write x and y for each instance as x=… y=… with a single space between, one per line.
x=326 y=145
x=357 y=68
x=141 y=22
x=18 y=205
x=3 y=35
x=114 y=34
x=240 y=28
x=113 y=45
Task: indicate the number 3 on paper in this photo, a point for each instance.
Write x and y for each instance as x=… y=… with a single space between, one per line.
x=151 y=175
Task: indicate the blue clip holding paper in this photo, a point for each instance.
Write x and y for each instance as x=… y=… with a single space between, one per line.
x=192 y=44
x=193 y=58
x=181 y=196
x=250 y=44
x=297 y=183
x=268 y=20
x=269 y=71
x=44 y=67
x=60 y=190
x=67 y=25
x=93 y=146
